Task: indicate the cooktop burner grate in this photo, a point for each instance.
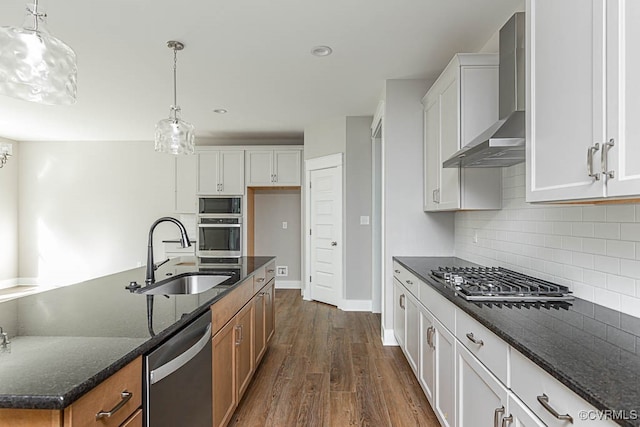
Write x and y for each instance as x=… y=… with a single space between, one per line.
x=500 y=284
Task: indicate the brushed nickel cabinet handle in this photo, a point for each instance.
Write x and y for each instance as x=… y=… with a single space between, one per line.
x=397 y=271
x=496 y=415
x=605 y=159
x=430 y=331
x=271 y=271
x=544 y=401
x=590 y=151
x=238 y=337
x=474 y=339
x=409 y=282
x=125 y=396
x=402 y=301
x=260 y=279
x=506 y=421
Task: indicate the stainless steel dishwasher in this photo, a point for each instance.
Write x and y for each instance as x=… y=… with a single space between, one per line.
x=178 y=379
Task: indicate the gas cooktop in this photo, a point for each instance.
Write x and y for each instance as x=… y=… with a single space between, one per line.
x=497 y=284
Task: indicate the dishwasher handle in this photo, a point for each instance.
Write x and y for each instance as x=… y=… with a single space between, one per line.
x=178 y=362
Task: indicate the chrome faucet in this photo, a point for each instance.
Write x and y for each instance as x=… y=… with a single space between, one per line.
x=184 y=241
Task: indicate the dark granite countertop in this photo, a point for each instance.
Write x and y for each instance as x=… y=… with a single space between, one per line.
x=67 y=340
x=593 y=350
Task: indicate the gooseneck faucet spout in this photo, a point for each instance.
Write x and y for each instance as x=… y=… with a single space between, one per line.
x=184 y=241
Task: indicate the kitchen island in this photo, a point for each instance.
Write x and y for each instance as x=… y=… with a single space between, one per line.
x=66 y=341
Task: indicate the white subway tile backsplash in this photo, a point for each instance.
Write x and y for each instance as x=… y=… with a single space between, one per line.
x=572 y=243
x=582 y=260
x=595 y=250
x=594 y=246
x=607 y=264
x=582 y=229
x=630 y=268
x=621 y=285
x=630 y=232
x=562 y=228
x=621 y=249
x=605 y=230
x=594 y=213
x=621 y=213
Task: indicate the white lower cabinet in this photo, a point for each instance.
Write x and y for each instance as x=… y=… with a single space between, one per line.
x=412 y=332
x=519 y=415
x=470 y=376
x=481 y=399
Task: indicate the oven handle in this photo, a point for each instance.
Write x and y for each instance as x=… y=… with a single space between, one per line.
x=173 y=365
x=218 y=225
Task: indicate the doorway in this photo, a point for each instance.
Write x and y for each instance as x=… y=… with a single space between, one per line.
x=324 y=220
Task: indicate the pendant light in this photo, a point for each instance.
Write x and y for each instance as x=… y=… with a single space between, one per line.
x=34 y=65
x=173 y=135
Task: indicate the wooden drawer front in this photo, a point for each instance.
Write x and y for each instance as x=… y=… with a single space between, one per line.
x=30 y=417
x=135 y=420
x=528 y=381
x=223 y=310
x=492 y=351
x=106 y=396
x=270 y=272
x=259 y=279
x=438 y=305
x=407 y=279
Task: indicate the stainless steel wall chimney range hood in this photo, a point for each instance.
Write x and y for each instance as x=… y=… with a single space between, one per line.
x=502 y=144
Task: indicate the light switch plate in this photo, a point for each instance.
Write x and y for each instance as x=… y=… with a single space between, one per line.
x=284 y=225
x=364 y=220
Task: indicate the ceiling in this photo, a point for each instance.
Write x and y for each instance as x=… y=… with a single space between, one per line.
x=247 y=56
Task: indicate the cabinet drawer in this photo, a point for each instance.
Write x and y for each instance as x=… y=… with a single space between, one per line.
x=223 y=310
x=492 y=351
x=259 y=279
x=135 y=420
x=106 y=397
x=407 y=279
x=529 y=381
x=270 y=272
x=438 y=305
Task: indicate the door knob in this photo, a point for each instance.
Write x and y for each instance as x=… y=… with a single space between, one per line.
x=334 y=243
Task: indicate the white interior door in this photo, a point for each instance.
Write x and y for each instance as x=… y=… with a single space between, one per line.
x=326 y=235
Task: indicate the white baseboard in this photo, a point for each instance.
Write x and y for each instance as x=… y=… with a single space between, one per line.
x=355 y=305
x=389 y=338
x=288 y=284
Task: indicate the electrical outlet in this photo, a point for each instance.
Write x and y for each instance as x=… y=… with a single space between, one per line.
x=284 y=225
x=475 y=236
x=364 y=220
x=282 y=270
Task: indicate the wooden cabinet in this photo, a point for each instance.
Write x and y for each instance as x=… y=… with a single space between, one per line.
x=224 y=374
x=245 y=362
x=116 y=401
x=185 y=184
x=221 y=172
x=582 y=99
x=244 y=321
x=269 y=167
x=481 y=399
x=461 y=104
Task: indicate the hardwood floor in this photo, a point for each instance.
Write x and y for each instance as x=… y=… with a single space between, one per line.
x=327 y=367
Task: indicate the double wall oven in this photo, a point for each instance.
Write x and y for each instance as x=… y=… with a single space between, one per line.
x=219 y=227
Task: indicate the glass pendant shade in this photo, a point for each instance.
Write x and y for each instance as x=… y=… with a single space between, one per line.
x=175 y=136
x=34 y=65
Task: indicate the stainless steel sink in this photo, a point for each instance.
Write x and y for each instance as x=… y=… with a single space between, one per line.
x=185 y=285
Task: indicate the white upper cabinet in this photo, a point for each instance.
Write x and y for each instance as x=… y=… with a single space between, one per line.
x=221 y=172
x=461 y=104
x=583 y=82
x=269 y=167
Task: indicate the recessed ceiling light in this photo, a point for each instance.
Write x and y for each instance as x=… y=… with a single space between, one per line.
x=220 y=111
x=321 y=51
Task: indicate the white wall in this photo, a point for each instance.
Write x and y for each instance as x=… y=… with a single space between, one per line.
x=86 y=207
x=9 y=217
x=358 y=203
x=595 y=250
x=325 y=137
x=409 y=231
x=272 y=208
